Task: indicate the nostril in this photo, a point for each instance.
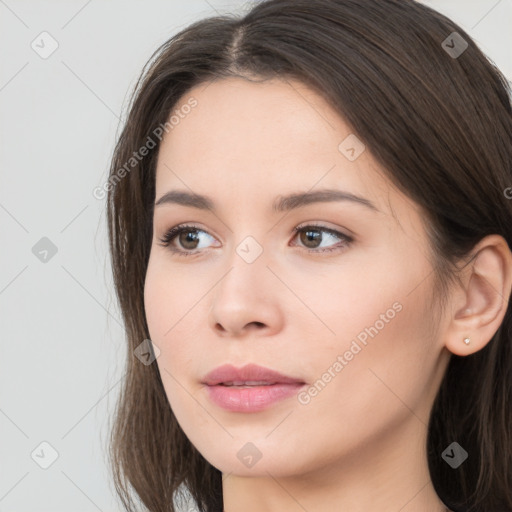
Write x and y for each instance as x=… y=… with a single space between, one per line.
x=251 y=325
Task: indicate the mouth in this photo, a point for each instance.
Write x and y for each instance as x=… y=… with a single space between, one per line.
x=251 y=388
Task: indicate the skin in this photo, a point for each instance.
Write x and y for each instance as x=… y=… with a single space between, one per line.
x=359 y=444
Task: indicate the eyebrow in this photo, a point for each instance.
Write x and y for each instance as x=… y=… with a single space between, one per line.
x=281 y=204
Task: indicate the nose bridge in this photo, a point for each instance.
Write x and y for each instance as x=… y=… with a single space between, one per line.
x=244 y=294
x=247 y=268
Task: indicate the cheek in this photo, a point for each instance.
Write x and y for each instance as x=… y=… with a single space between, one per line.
x=378 y=318
x=165 y=314
x=166 y=298
x=387 y=357
x=156 y=303
x=172 y=307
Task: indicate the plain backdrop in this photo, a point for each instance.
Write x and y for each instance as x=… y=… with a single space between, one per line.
x=62 y=344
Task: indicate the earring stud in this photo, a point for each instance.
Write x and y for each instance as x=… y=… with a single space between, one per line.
x=466 y=341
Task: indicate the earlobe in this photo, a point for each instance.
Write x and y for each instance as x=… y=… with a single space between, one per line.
x=480 y=305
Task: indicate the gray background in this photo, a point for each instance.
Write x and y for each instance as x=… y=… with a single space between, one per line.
x=62 y=350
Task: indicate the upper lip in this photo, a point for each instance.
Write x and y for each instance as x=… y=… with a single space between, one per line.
x=249 y=372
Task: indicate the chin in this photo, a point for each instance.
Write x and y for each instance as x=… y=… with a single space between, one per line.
x=253 y=459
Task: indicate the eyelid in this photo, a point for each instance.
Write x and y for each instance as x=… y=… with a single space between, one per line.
x=323 y=227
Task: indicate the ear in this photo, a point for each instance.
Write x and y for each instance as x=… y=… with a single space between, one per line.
x=479 y=306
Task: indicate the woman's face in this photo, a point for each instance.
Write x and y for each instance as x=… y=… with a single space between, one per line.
x=340 y=306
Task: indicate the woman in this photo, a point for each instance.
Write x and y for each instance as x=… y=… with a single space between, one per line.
x=309 y=224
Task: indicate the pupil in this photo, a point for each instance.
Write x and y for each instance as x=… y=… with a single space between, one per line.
x=311 y=236
x=189 y=236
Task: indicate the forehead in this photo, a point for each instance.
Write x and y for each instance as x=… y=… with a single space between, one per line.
x=257 y=140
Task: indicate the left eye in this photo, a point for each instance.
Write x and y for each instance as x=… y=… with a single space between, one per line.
x=311 y=236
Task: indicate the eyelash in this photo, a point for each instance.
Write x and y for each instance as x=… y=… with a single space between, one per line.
x=172 y=233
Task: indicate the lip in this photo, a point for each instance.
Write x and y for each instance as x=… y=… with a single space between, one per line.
x=249 y=372
x=251 y=398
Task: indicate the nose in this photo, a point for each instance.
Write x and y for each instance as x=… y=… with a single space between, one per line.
x=246 y=301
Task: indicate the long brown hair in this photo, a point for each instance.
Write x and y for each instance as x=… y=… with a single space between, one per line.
x=439 y=123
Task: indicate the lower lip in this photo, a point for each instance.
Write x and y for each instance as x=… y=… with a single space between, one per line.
x=251 y=399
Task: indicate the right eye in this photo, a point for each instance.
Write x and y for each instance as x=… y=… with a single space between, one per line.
x=188 y=242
